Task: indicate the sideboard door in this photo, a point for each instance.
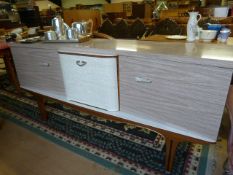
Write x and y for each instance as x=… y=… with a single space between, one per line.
x=91 y=80
x=39 y=70
x=174 y=95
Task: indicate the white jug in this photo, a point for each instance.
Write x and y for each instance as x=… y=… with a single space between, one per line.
x=192 y=26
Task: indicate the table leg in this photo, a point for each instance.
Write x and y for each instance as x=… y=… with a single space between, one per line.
x=171 y=145
x=10 y=68
x=41 y=105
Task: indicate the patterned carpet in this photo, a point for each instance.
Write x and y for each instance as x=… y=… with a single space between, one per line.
x=127 y=148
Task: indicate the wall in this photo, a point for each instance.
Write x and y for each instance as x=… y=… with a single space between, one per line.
x=72 y=3
x=45 y=5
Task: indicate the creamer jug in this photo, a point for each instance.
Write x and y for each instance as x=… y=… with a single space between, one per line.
x=194 y=17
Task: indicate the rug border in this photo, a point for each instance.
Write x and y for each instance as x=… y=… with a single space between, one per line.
x=116 y=168
x=203 y=160
x=69 y=147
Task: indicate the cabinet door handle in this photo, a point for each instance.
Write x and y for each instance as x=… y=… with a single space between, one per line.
x=44 y=64
x=143 y=80
x=81 y=63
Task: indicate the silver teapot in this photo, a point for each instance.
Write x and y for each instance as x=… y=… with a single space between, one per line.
x=59 y=27
x=83 y=27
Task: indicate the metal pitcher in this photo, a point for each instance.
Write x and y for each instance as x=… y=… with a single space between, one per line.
x=50 y=35
x=71 y=34
x=59 y=27
x=83 y=27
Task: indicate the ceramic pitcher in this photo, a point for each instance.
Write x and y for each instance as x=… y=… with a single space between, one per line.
x=194 y=17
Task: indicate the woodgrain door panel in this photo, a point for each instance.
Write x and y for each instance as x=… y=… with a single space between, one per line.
x=175 y=94
x=39 y=69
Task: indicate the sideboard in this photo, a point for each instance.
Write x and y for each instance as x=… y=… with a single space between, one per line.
x=177 y=89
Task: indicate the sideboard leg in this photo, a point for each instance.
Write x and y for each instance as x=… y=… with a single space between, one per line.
x=41 y=105
x=10 y=69
x=171 y=145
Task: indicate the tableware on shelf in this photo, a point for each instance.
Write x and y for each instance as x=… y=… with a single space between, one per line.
x=192 y=26
x=10 y=37
x=83 y=27
x=50 y=35
x=77 y=26
x=17 y=30
x=221 y=11
x=80 y=39
x=224 y=34
x=208 y=35
x=198 y=32
x=59 y=27
x=216 y=27
x=176 y=37
x=33 y=30
x=30 y=40
x=71 y=34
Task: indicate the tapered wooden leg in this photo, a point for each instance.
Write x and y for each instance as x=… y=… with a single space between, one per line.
x=171 y=145
x=41 y=105
x=10 y=69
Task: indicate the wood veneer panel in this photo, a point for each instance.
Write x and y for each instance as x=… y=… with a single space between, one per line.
x=186 y=96
x=39 y=70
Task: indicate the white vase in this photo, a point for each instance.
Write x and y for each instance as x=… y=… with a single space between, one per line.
x=192 y=26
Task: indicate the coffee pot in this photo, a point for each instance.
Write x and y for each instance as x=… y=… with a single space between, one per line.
x=59 y=27
x=83 y=27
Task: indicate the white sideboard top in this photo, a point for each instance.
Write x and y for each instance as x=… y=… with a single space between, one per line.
x=220 y=55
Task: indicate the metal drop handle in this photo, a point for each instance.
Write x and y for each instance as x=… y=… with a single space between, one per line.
x=142 y=80
x=81 y=63
x=44 y=64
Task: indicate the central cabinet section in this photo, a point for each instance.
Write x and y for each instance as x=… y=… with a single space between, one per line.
x=91 y=80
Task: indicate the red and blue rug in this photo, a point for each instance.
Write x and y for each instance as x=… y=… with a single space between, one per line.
x=119 y=146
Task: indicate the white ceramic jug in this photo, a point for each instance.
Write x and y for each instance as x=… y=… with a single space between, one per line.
x=192 y=26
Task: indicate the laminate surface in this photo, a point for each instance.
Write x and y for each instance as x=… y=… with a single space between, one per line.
x=39 y=69
x=178 y=87
x=194 y=53
x=189 y=96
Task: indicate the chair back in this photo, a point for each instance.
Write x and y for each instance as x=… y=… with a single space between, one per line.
x=167 y=27
x=122 y=29
x=107 y=28
x=137 y=29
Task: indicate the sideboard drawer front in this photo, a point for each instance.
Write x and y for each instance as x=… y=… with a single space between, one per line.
x=91 y=80
x=39 y=70
x=174 y=93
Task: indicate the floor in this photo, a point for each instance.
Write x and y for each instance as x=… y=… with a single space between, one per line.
x=24 y=153
x=218 y=151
